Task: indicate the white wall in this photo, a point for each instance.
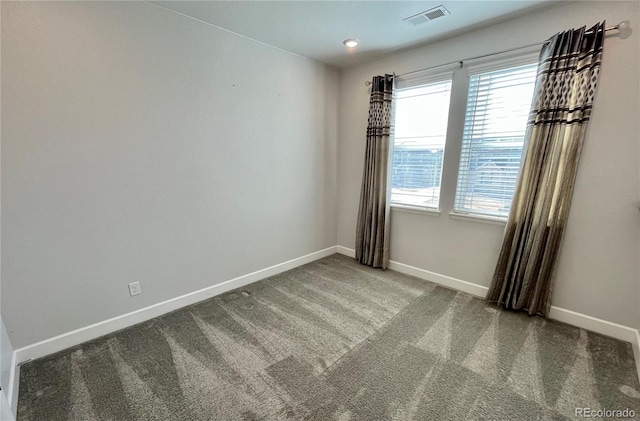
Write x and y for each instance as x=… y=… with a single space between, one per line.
x=6 y=350
x=598 y=272
x=140 y=145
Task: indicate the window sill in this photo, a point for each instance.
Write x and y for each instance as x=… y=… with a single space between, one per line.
x=415 y=209
x=494 y=220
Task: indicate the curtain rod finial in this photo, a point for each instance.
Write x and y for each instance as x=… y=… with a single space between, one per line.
x=624 y=29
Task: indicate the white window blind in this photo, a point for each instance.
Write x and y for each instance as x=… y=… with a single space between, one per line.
x=498 y=106
x=421 y=114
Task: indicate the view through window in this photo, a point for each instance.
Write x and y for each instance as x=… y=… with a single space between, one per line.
x=420 y=135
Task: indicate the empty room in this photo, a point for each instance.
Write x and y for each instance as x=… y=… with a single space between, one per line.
x=319 y=210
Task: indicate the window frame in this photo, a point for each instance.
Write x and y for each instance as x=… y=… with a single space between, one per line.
x=524 y=59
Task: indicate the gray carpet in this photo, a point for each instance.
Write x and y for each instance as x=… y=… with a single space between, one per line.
x=334 y=340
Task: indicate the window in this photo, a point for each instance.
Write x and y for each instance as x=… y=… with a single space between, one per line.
x=422 y=110
x=498 y=106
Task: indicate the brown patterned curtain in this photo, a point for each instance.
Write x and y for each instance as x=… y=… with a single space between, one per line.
x=372 y=235
x=565 y=87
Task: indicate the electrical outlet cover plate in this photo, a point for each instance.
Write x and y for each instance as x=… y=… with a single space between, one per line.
x=134 y=288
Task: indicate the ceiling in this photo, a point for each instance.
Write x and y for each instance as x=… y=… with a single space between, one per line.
x=316 y=29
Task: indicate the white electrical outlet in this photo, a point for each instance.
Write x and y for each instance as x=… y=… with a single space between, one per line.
x=134 y=288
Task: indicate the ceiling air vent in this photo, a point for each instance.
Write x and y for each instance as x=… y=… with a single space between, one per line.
x=426 y=16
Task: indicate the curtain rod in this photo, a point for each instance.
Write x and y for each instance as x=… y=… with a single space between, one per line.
x=622 y=24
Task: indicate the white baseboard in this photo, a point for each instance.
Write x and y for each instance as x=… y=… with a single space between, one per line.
x=5 y=410
x=584 y=321
x=346 y=251
x=636 y=352
x=14 y=385
x=593 y=324
x=87 y=333
x=436 y=278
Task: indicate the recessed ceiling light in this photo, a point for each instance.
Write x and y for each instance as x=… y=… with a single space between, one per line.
x=351 y=42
